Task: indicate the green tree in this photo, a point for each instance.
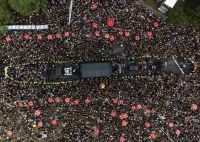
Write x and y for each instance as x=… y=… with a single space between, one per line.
x=6 y=15
x=185 y=13
x=27 y=7
x=3 y=30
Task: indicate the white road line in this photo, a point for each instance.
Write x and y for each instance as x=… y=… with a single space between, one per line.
x=70 y=11
x=178 y=65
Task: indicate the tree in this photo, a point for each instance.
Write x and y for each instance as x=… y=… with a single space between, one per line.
x=6 y=15
x=27 y=7
x=185 y=13
x=3 y=30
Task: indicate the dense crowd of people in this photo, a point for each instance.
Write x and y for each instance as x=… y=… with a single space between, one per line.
x=160 y=108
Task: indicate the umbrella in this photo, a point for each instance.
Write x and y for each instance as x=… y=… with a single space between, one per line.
x=57 y=99
x=107 y=36
x=194 y=107
x=112 y=38
x=115 y=101
x=120 y=33
x=94 y=6
x=138 y=106
x=121 y=102
x=21 y=104
x=37 y=113
x=153 y=136
x=97 y=33
x=87 y=101
x=121 y=139
x=67 y=100
x=96 y=132
x=8 y=39
x=76 y=102
x=178 y=132
x=127 y=34
x=110 y=22
x=147 y=124
x=40 y=124
x=123 y=116
x=26 y=36
x=155 y=24
x=66 y=34
x=50 y=100
x=94 y=25
x=149 y=34
x=58 y=35
x=50 y=37
x=9 y=133
x=39 y=37
x=54 y=122
x=30 y=103
x=102 y=86
x=124 y=123
x=113 y=113
x=170 y=125
x=137 y=38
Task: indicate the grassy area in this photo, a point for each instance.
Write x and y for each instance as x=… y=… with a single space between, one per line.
x=151 y=3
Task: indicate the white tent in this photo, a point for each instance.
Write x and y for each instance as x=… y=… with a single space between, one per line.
x=170 y=3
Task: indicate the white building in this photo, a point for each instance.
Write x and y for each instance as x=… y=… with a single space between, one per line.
x=166 y=4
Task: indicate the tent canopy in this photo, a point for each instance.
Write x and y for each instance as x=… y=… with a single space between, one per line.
x=170 y=3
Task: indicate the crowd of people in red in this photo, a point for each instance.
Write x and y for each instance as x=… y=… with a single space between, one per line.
x=160 y=108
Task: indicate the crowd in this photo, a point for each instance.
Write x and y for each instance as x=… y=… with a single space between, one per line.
x=161 y=108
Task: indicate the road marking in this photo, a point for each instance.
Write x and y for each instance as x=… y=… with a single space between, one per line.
x=178 y=65
x=70 y=11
